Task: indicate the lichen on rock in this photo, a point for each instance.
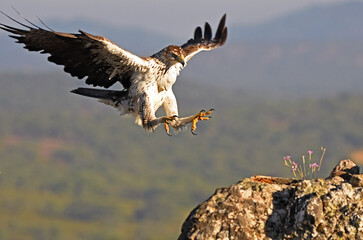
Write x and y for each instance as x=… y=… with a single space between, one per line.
x=278 y=208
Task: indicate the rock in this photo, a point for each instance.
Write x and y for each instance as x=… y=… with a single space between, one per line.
x=357 y=180
x=278 y=208
x=344 y=169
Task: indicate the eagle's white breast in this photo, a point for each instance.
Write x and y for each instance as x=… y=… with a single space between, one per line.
x=169 y=78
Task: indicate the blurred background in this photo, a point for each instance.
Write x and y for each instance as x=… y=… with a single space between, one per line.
x=289 y=80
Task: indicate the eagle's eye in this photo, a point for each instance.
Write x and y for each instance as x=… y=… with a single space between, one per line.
x=174 y=56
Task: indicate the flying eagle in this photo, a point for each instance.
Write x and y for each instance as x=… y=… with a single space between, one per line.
x=147 y=81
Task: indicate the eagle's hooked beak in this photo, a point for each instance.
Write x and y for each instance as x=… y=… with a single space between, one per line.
x=181 y=60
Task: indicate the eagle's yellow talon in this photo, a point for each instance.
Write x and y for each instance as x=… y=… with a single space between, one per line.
x=194 y=126
x=167 y=129
x=167 y=121
x=202 y=115
x=210 y=111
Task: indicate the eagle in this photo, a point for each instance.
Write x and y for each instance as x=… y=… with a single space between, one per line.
x=147 y=81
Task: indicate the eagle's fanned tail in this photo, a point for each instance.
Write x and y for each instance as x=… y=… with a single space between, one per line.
x=113 y=95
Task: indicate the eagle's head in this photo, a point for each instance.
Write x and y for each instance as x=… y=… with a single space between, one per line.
x=173 y=54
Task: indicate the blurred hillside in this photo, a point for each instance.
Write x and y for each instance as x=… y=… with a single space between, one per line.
x=336 y=22
x=71 y=168
x=315 y=52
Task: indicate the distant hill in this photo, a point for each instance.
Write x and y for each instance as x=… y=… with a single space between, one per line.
x=310 y=53
x=338 y=22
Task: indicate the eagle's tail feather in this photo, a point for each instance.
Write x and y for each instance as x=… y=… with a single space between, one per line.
x=101 y=94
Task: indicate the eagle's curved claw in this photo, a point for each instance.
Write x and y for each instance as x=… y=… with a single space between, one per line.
x=202 y=115
x=167 y=121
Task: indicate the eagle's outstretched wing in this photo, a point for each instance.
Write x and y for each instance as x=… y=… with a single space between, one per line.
x=81 y=54
x=205 y=43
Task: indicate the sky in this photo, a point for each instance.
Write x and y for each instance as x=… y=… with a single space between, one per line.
x=170 y=17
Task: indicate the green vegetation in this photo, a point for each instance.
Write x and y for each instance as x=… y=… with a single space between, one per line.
x=71 y=168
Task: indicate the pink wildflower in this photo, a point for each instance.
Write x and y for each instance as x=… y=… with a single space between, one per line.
x=313 y=165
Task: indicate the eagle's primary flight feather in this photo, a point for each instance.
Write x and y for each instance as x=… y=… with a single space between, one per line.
x=147 y=81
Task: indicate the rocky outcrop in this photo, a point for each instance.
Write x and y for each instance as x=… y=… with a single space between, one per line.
x=277 y=208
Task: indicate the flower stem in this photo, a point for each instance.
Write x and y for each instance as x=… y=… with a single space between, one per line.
x=321 y=159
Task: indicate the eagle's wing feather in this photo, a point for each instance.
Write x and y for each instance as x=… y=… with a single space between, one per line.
x=82 y=54
x=205 y=43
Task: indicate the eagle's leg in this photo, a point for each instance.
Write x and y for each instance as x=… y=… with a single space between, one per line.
x=150 y=125
x=178 y=123
x=181 y=122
